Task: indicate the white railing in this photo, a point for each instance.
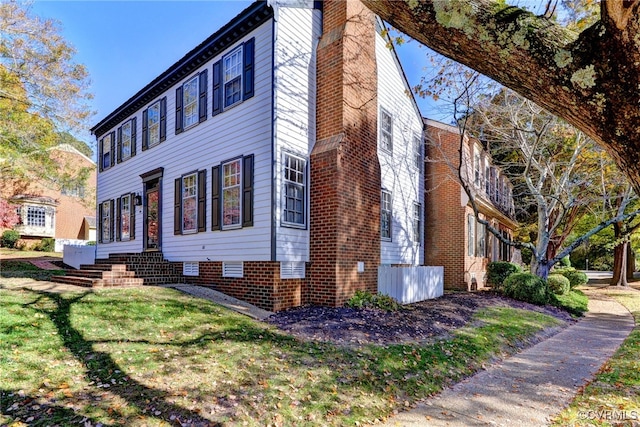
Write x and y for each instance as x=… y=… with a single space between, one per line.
x=60 y=243
x=411 y=284
x=75 y=255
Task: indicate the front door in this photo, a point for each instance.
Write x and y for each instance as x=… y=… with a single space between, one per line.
x=152 y=216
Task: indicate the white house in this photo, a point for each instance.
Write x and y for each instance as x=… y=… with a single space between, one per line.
x=264 y=168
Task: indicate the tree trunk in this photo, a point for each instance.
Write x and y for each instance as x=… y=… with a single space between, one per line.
x=591 y=80
x=621 y=271
x=631 y=263
x=540 y=268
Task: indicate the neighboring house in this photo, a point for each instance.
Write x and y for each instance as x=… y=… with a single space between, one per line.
x=63 y=212
x=454 y=238
x=279 y=161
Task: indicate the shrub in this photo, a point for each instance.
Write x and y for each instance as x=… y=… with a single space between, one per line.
x=565 y=262
x=558 y=284
x=365 y=299
x=527 y=287
x=9 y=238
x=576 y=278
x=498 y=271
x=91 y=243
x=46 y=245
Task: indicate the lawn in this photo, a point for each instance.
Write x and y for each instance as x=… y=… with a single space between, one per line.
x=153 y=356
x=613 y=397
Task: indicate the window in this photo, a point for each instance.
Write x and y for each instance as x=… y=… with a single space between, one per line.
x=471 y=240
x=127 y=140
x=476 y=170
x=232 y=194
x=190 y=203
x=233 y=77
x=191 y=102
x=73 y=190
x=125 y=218
x=481 y=242
x=417 y=151
x=417 y=222
x=386 y=131
x=36 y=216
x=154 y=124
x=106 y=151
x=385 y=215
x=487 y=180
x=106 y=221
x=294 y=192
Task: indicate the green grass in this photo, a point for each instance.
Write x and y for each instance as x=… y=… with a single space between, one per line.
x=575 y=302
x=14 y=268
x=153 y=356
x=613 y=397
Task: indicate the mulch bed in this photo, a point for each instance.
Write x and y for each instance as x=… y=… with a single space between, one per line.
x=420 y=322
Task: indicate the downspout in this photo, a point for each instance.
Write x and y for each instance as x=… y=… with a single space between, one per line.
x=274 y=164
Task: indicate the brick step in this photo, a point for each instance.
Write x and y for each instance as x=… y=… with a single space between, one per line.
x=86 y=282
x=101 y=274
x=104 y=267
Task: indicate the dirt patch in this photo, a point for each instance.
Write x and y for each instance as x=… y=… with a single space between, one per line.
x=415 y=323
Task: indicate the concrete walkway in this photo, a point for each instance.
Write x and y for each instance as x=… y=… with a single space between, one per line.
x=529 y=388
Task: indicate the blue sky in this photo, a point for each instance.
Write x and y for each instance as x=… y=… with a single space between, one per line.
x=126 y=44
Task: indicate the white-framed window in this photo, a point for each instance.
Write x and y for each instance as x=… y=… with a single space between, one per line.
x=487 y=180
x=233 y=269
x=36 y=216
x=190 y=203
x=232 y=73
x=471 y=236
x=231 y=194
x=126 y=140
x=190 y=93
x=417 y=222
x=294 y=191
x=417 y=151
x=125 y=217
x=476 y=170
x=105 y=149
x=386 y=130
x=385 y=215
x=153 y=124
x=106 y=221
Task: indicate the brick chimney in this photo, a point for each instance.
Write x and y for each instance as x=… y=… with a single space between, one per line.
x=345 y=172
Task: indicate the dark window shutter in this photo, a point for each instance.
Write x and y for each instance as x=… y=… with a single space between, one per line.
x=215 y=198
x=247 y=191
x=145 y=131
x=202 y=200
x=132 y=218
x=179 y=110
x=177 y=207
x=113 y=148
x=163 y=119
x=100 y=153
x=247 y=78
x=134 y=123
x=118 y=219
x=112 y=205
x=119 y=143
x=99 y=227
x=202 y=105
x=217 y=88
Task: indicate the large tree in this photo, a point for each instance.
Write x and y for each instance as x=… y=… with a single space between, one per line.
x=43 y=95
x=590 y=78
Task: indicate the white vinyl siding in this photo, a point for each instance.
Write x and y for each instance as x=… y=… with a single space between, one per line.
x=298 y=30
x=400 y=175
x=243 y=130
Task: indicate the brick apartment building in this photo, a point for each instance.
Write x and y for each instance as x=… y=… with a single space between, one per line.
x=453 y=237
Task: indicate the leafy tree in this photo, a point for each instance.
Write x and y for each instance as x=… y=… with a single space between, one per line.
x=8 y=215
x=43 y=94
x=589 y=77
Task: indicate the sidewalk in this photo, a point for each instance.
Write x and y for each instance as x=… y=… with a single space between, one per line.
x=530 y=387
